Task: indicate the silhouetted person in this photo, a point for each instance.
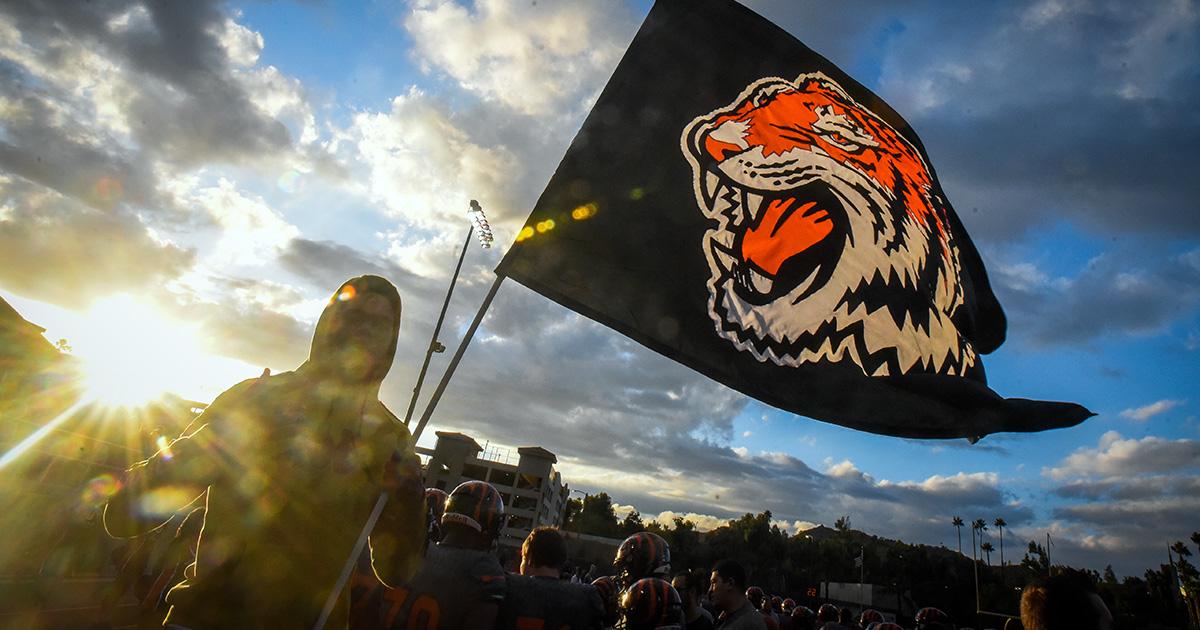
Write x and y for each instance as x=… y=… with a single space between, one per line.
x=1063 y=601
x=289 y=467
x=539 y=597
x=727 y=589
x=691 y=586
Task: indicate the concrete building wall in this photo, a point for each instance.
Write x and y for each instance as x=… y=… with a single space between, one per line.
x=532 y=490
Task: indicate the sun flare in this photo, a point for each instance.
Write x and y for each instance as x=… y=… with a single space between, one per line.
x=132 y=353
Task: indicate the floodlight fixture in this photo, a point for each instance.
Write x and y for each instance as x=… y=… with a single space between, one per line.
x=482 y=229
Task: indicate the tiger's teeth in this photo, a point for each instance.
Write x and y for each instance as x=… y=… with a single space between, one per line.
x=723 y=256
x=711 y=188
x=724 y=238
x=753 y=203
x=761 y=283
x=803 y=286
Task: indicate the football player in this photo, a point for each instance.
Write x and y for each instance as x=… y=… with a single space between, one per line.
x=539 y=598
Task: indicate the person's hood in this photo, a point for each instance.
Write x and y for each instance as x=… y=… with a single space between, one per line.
x=331 y=341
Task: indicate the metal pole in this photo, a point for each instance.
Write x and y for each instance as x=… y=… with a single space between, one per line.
x=1049 y=565
x=458 y=354
x=433 y=342
x=975 y=566
x=331 y=601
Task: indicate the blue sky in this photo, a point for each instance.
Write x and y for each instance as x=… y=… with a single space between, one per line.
x=300 y=143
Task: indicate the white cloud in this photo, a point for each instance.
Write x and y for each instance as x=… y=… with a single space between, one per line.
x=251 y=232
x=1145 y=412
x=243 y=45
x=703 y=522
x=747 y=434
x=537 y=58
x=1118 y=456
x=422 y=167
x=956 y=483
x=845 y=468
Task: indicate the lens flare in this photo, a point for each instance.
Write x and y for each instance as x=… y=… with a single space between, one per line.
x=165 y=501
x=164 y=448
x=108 y=190
x=290 y=181
x=347 y=293
x=99 y=490
x=586 y=211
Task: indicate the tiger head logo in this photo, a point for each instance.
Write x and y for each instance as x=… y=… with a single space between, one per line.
x=829 y=242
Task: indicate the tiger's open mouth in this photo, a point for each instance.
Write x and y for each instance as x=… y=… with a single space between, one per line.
x=776 y=243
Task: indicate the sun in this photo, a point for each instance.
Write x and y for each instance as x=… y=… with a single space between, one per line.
x=132 y=353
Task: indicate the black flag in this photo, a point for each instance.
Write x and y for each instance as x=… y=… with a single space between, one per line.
x=736 y=202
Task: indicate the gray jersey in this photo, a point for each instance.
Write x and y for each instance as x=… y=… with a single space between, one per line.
x=449 y=583
x=542 y=603
x=744 y=618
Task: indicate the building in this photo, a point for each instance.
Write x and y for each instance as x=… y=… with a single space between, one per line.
x=533 y=491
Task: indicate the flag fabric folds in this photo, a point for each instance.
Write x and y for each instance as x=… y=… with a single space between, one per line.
x=737 y=203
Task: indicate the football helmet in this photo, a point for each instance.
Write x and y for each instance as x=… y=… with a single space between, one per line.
x=477 y=505
x=651 y=604
x=640 y=556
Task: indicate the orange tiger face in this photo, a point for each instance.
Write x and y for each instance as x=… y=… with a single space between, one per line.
x=829 y=242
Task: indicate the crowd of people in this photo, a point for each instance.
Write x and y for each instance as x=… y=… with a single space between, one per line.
x=461 y=584
x=276 y=478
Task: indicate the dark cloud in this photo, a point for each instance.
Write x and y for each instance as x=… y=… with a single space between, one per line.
x=329 y=264
x=104 y=102
x=254 y=333
x=188 y=107
x=1111 y=295
x=1130 y=489
x=1116 y=493
x=61 y=153
x=55 y=249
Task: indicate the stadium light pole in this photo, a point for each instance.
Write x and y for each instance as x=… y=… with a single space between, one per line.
x=479 y=227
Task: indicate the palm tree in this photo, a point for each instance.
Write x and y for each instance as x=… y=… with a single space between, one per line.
x=987 y=549
x=978 y=525
x=958 y=525
x=1000 y=525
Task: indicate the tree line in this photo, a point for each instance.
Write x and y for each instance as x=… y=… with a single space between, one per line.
x=792 y=564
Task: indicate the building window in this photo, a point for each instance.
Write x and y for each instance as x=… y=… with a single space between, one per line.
x=526 y=481
x=503 y=477
x=520 y=522
x=474 y=471
x=525 y=503
x=440 y=485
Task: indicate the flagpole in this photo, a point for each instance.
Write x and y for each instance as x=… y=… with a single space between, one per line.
x=383 y=496
x=434 y=346
x=458 y=355
x=862 y=571
x=485 y=240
